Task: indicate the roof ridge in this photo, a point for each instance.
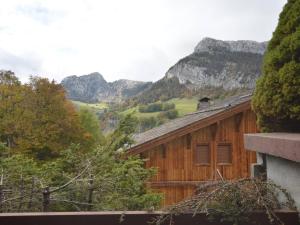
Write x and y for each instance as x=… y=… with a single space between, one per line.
x=209 y=110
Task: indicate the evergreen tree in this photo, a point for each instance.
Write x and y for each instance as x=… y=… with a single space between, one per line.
x=277 y=96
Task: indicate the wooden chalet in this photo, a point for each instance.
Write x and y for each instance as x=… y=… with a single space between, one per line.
x=200 y=147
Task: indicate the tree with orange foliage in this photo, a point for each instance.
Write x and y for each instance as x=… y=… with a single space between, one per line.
x=36 y=118
x=11 y=96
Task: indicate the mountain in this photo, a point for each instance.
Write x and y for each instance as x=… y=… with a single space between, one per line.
x=94 y=88
x=215 y=67
x=216 y=63
x=163 y=89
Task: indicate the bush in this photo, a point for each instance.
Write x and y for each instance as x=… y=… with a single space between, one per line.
x=155 y=107
x=147 y=123
x=168 y=106
x=277 y=96
x=170 y=114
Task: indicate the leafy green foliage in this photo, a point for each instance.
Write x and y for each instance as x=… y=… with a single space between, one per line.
x=146 y=123
x=170 y=114
x=156 y=107
x=101 y=179
x=277 y=95
x=42 y=163
x=91 y=127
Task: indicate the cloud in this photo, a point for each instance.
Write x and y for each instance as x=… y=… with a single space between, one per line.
x=135 y=39
x=39 y=13
x=21 y=65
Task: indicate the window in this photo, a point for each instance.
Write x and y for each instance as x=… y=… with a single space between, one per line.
x=202 y=154
x=224 y=154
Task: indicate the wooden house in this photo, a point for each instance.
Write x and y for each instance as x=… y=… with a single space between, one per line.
x=200 y=147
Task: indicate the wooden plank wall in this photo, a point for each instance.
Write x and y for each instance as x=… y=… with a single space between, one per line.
x=174 y=160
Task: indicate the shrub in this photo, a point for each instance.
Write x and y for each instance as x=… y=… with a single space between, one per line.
x=168 y=106
x=146 y=123
x=154 y=107
x=170 y=114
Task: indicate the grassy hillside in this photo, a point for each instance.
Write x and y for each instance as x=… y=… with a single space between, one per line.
x=185 y=105
x=109 y=115
x=182 y=105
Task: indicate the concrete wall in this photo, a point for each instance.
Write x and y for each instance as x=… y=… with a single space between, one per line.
x=285 y=173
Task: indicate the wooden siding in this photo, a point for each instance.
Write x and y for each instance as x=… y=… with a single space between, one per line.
x=178 y=165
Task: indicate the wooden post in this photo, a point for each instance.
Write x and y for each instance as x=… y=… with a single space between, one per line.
x=21 y=193
x=214 y=130
x=1 y=198
x=238 y=119
x=46 y=199
x=1 y=191
x=31 y=193
x=91 y=189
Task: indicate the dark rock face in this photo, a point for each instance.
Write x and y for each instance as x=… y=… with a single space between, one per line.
x=94 y=88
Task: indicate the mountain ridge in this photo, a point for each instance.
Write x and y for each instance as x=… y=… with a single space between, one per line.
x=214 y=64
x=94 y=88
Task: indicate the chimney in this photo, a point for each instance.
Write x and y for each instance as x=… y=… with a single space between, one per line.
x=203 y=103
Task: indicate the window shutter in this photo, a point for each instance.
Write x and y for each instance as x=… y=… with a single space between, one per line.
x=224 y=154
x=202 y=154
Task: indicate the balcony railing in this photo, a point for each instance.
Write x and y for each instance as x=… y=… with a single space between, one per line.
x=128 y=218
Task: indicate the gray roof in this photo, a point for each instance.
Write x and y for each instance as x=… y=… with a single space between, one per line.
x=188 y=119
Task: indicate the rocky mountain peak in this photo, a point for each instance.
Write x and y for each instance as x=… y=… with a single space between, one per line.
x=220 y=64
x=210 y=45
x=96 y=76
x=94 y=88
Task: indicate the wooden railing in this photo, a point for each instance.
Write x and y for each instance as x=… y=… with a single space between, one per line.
x=128 y=218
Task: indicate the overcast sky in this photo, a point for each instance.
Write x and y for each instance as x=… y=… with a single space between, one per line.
x=133 y=39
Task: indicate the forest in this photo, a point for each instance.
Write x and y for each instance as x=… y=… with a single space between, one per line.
x=55 y=158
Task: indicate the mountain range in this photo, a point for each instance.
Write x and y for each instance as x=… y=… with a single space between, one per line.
x=213 y=65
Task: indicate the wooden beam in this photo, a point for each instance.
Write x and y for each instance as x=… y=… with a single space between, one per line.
x=177 y=183
x=237 y=120
x=163 y=150
x=214 y=130
x=189 y=141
